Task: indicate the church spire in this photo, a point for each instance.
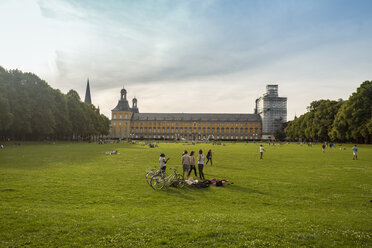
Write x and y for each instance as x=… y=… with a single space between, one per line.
x=87 y=94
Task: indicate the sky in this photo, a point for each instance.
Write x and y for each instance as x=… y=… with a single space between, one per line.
x=191 y=56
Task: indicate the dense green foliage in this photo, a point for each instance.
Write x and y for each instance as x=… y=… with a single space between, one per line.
x=328 y=120
x=31 y=110
x=72 y=195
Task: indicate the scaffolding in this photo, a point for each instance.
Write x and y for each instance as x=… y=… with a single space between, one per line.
x=272 y=109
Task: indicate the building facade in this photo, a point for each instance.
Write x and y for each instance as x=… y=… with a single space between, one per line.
x=273 y=111
x=121 y=117
x=128 y=122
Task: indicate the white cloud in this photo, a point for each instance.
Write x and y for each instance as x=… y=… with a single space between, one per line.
x=187 y=56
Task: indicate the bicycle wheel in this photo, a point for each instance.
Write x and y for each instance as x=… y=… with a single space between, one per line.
x=157 y=182
x=149 y=176
x=180 y=182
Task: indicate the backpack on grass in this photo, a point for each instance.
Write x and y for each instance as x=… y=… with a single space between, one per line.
x=219 y=183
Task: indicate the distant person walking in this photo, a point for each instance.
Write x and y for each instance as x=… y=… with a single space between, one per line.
x=192 y=164
x=209 y=157
x=355 y=152
x=185 y=163
x=201 y=164
x=323 y=147
x=261 y=151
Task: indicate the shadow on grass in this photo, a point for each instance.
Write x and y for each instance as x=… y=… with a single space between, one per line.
x=187 y=192
x=245 y=189
x=211 y=176
x=8 y=190
x=178 y=193
x=130 y=147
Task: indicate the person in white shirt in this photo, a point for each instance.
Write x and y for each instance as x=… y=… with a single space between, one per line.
x=261 y=151
x=192 y=164
x=201 y=164
x=163 y=162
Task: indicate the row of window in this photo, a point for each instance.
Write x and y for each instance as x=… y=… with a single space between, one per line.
x=191 y=124
x=193 y=137
x=180 y=125
x=192 y=130
x=120 y=116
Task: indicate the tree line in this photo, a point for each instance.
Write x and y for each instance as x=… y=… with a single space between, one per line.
x=342 y=121
x=31 y=110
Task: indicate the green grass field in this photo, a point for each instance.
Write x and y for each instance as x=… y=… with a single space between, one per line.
x=72 y=195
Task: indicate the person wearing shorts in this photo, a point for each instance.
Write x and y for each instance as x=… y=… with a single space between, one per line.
x=355 y=152
x=185 y=163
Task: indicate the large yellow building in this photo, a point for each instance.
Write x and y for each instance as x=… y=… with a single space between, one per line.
x=127 y=122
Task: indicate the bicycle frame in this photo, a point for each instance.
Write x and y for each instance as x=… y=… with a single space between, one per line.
x=167 y=180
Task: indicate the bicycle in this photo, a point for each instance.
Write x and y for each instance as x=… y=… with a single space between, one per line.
x=150 y=173
x=161 y=180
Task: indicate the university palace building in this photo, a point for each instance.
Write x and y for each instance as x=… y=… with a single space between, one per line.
x=269 y=115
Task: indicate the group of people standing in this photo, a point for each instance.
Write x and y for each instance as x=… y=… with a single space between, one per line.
x=189 y=163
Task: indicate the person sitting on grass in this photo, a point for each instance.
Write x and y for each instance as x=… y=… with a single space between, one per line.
x=163 y=163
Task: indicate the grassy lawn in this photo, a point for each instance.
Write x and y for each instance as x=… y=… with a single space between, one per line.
x=72 y=195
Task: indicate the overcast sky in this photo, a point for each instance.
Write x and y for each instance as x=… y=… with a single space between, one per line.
x=192 y=56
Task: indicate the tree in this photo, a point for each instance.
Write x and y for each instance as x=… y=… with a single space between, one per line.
x=63 y=126
x=31 y=109
x=353 y=121
x=77 y=116
x=323 y=118
x=6 y=117
x=316 y=123
x=280 y=135
x=340 y=120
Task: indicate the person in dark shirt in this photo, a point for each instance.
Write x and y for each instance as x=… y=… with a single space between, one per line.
x=209 y=157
